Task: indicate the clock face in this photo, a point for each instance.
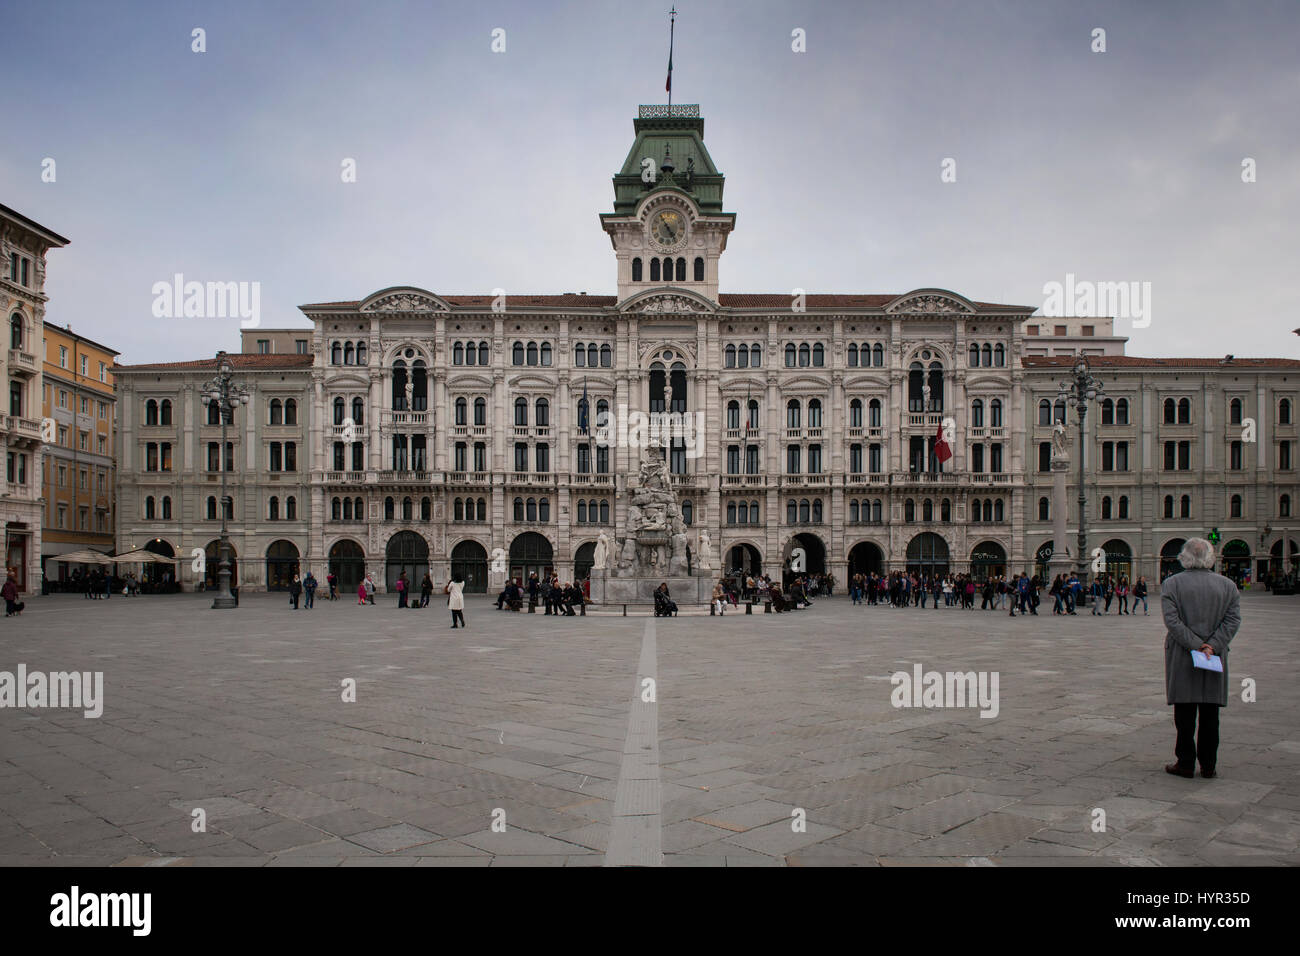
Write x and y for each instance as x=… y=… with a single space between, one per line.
x=668 y=228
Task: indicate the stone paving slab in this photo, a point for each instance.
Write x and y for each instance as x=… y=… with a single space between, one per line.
x=240 y=713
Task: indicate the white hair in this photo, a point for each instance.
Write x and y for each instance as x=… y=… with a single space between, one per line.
x=1196 y=553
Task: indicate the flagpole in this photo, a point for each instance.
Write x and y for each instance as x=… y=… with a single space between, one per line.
x=672 y=23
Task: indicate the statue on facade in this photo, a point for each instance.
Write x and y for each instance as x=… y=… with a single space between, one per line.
x=704 y=557
x=410 y=393
x=1060 y=443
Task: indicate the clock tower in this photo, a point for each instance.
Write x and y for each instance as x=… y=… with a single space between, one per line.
x=668 y=228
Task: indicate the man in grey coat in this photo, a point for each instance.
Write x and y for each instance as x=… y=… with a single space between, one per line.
x=1202 y=612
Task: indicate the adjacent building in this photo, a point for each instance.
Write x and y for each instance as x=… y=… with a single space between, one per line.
x=23 y=245
x=78 y=470
x=419 y=431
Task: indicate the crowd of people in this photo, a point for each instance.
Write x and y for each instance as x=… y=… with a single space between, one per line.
x=559 y=598
x=1019 y=592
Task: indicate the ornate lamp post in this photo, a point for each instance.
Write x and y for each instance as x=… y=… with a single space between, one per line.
x=1081 y=390
x=228 y=396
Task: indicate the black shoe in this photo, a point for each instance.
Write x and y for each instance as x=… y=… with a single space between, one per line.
x=1178 y=771
x=1208 y=774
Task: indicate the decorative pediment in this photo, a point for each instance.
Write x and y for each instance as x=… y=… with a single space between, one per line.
x=404 y=301
x=930 y=302
x=675 y=302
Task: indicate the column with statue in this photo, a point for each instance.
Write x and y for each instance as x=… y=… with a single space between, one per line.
x=1060 y=562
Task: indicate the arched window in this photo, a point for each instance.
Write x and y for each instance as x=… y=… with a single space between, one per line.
x=688 y=512
x=699 y=268
x=1045 y=412
x=973 y=360
x=1171 y=411
x=542 y=411
x=290 y=412
x=1284 y=506
x=291 y=508
x=426 y=509
x=975 y=511
x=805 y=511
x=458 y=354
x=462 y=410
x=988 y=509
x=336 y=353
x=165 y=412
x=458 y=510
x=791 y=512
x=1108 y=412
x=1185 y=506
x=408 y=509
x=805 y=355
x=909 y=510
x=1121 y=412
x=471 y=354
x=580 y=356
x=482 y=509
x=1169 y=506
x=753 y=413
x=945 y=510
x=358 y=411
x=532 y=353
x=1234 y=510
x=731 y=512
x=1234 y=412
x=997 y=510
x=733 y=414
x=817 y=511
x=853 y=512
x=995 y=413
x=349 y=511
x=1184 y=411
x=389 y=508
x=212 y=508
x=606 y=357
x=681 y=269
x=166 y=508
x=729 y=357
x=348 y=354
x=819 y=355
x=742 y=357
x=1105 y=508
x=789 y=355
x=927 y=510
x=874 y=413
x=519 y=509
x=1123 y=508
x=340 y=410
x=999 y=356
x=756 y=356
x=482 y=353
x=875 y=511
x=977 y=413
x=1284 y=412
x=521 y=411
x=277 y=412
x=815 y=413
x=636 y=269
x=853 y=356
x=530 y=509
x=878 y=355
x=517 y=353
x=361 y=353
x=546 y=353
x=1044 y=509
x=855 y=413
x=480 y=411
x=986 y=353
x=151 y=412
x=149 y=508
x=1058 y=411
x=336 y=509
x=792 y=415
x=273 y=508
x=654 y=270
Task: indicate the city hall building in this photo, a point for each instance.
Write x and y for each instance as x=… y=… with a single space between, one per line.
x=411 y=430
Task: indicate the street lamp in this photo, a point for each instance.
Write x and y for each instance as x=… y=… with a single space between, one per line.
x=227 y=396
x=1082 y=389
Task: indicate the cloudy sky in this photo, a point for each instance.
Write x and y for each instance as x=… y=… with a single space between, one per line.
x=478 y=170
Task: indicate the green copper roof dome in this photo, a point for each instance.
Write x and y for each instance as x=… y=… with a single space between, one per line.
x=678 y=132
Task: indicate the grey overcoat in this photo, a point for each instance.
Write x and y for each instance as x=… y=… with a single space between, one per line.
x=1200 y=607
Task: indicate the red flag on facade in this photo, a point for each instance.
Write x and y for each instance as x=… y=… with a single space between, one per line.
x=941 y=449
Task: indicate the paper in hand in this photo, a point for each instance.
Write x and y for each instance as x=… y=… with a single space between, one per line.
x=1207 y=662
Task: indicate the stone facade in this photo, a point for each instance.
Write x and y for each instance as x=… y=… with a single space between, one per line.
x=443 y=432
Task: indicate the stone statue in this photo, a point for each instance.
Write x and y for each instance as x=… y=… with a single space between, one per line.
x=410 y=392
x=668 y=395
x=704 y=557
x=601 y=555
x=1060 y=443
x=925 y=397
x=656 y=538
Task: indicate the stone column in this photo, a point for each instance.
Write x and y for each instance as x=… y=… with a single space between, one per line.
x=1061 y=563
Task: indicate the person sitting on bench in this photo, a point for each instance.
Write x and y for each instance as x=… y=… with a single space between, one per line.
x=664 y=605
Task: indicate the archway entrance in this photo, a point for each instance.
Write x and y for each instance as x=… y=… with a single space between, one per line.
x=866 y=558
x=927 y=553
x=212 y=564
x=530 y=553
x=469 y=562
x=347 y=564
x=804 y=555
x=1169 y=557
x=281 y=564
x=583 y=560
x=406 y=551
x=1119 y=559
x=987 y=560
x=1277 y=566
x=1236 y=561
x=153 y=574
x=743 y=560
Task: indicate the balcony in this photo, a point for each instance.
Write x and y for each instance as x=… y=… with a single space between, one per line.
x=875 y=431
x=924 y=478
x=865 y=480
x=814 y=433
x=23 y=427
x=405 y=475
x=744 y=481
x=855 y=432
x=459 y=431
x=927 y=419
x=20 y=361
x=794 y=433
x=990 y=478
x=606 y=481
x=468 y=478
x=530 y=478
x=346 y=477
x=690 y=481
x=805 y=481
x=420 y=419
x=735 y=434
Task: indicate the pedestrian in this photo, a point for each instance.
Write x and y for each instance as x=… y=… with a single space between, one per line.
x=1140 y=594
x=1202 y=613
x=295 y=589
x=361 y=592
x=1058 y=606
x=10 y=593
x=401 y=585
x=332 y=580
x=718 y=595
x=1097 y=591
x=309 y=585
x=369 y=585
x=455 y=591
x=426 y=590
x=1121 y=592
x=1109 y=591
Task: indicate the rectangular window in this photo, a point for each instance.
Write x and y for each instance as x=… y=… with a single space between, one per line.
x=301 y=346
x=1171 y=450
x=358 y=456
x=84 y=440
x=150 y=457
x=1284 y=456
x=1088 y=329
x=165 y=451
x=1184 y=455
x=1060 y=330
x=1045 y=456
x=290 y=456
x=480 y=456
x=814 y=459
x=63 y=356
x=103 y=373
x=792 y=460
x=214 y=456
x=85 y=361
x=63 y=399
x=977 y=458
x=276 y=459
x=25 y=263
x=875 y=460
x=995 y=458
x=1121 y=456
x=521 y=457
x=84 y=480
x=602 y=459
x=1108 y=456
x=1235 y=456
x=264 y=346
x=63 y=516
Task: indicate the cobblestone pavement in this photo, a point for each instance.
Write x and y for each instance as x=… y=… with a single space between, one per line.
x=549 y=725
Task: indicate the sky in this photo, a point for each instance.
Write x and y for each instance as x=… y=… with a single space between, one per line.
x=478 y=170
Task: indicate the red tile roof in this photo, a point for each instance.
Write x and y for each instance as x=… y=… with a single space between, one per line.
x=239 y=360
x=1138 y=361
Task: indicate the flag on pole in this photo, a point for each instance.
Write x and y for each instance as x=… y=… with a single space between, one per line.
x=941 y=449
x=668 y=87
x=582 y=409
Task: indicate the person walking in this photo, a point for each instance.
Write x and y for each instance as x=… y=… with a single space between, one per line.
x=1202 y=612
x=332 y=580
x=402 y=586
x=718 y=602
x=1121 y=592
x=295 y=590
x=426 y=590
x=1071 y=593
x=369 y=585
x=1097 y=591
x=10 y=593
x=1140 y=594
x=361 y=592
x=455 y=591
x=309 y=585
x=1109 y=591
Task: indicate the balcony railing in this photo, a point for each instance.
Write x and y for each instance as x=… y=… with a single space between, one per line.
x=990 y=478
x=402 y=474
x=590 y=479
x=927 y=418
x=19 y=359
x=469 y=477
x=794 y=433
x=404 y=418
x=744 y=481
x=866 y=479
x=27 y=427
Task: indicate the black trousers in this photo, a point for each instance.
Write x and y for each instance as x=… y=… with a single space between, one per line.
x=457 y=616
x=1192 y=746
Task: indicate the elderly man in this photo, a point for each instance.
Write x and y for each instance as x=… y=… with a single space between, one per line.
x=1202 y=613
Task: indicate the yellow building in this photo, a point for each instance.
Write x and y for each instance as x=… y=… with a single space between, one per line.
x=78 y=468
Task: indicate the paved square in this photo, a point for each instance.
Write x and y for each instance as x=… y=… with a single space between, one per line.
x=524 y=739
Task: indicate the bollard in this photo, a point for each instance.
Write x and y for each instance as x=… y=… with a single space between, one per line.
x=749 y=609
x=625 y=610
